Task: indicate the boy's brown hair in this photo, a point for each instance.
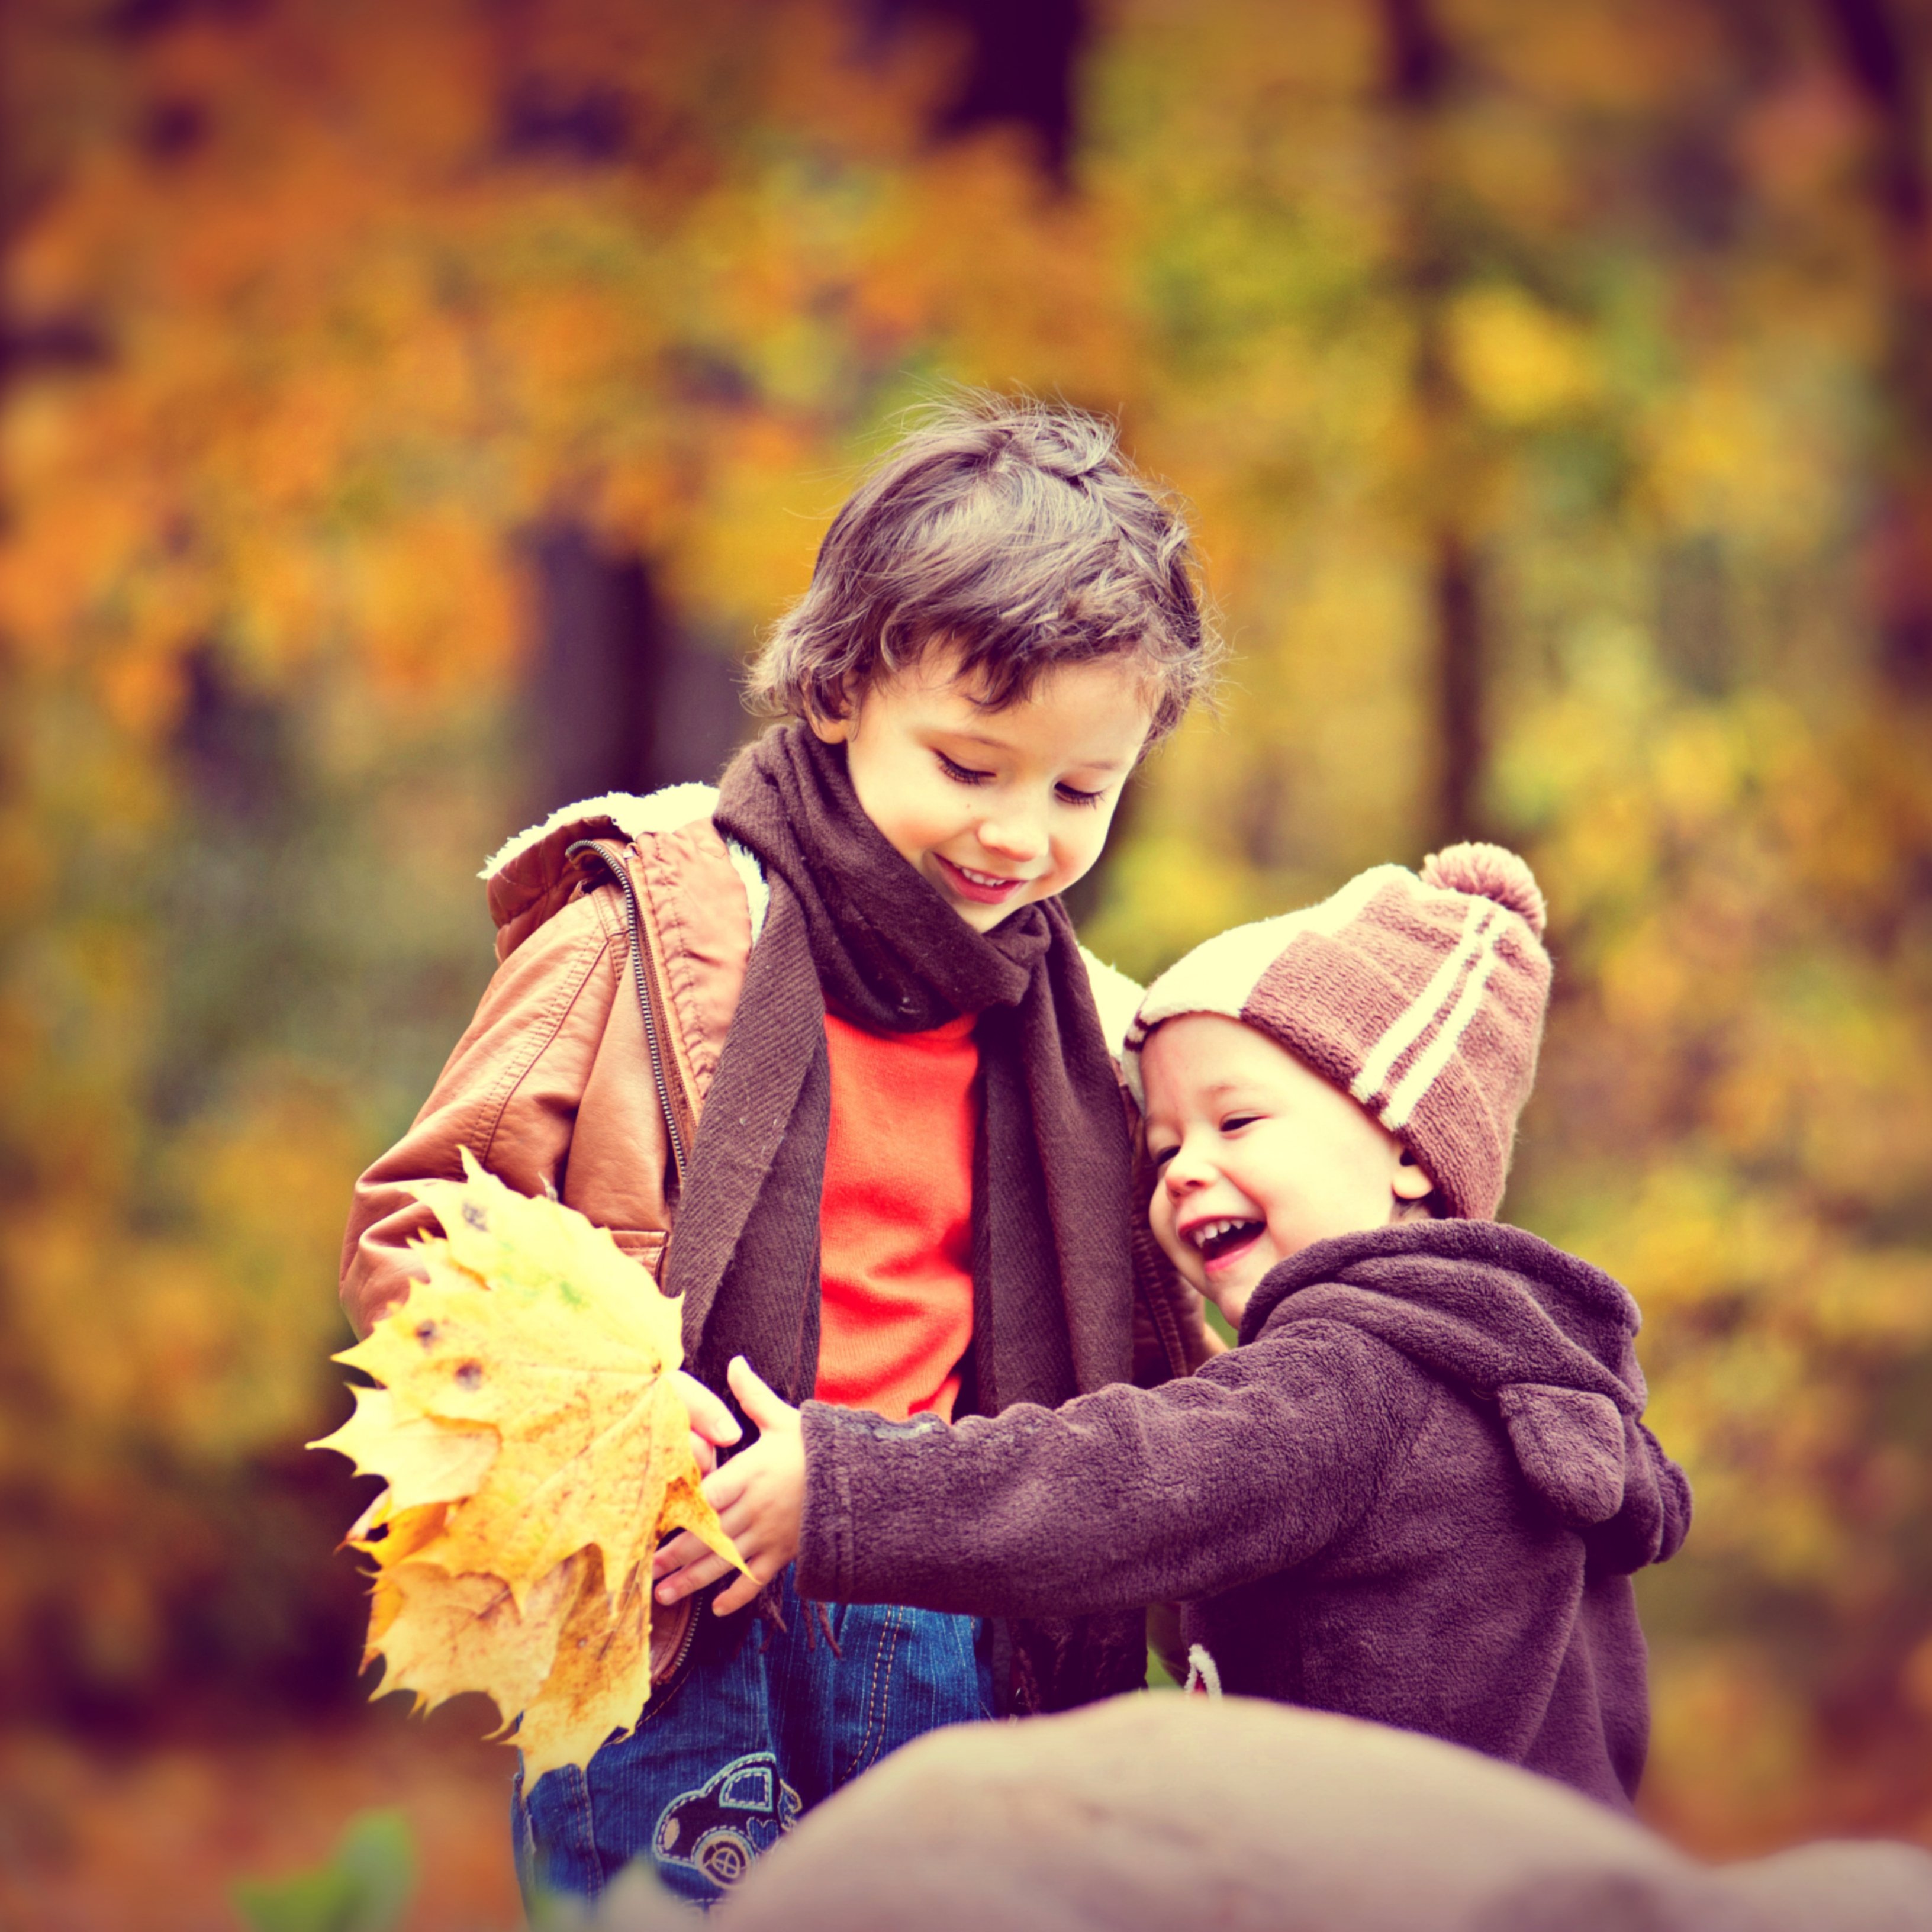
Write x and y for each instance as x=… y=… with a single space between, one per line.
x=1012 y=531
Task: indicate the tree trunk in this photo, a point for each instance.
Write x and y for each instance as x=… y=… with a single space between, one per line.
x=1418 y=77
x=1022 y=60
x=1872 y=43
x=619 y=700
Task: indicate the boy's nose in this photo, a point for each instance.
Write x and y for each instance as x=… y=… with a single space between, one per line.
x=1015 y=838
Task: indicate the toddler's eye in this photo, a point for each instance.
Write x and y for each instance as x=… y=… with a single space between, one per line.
x=1071 y=795
x=1160 y=1156
x=1234 y=1122
x=961 y=774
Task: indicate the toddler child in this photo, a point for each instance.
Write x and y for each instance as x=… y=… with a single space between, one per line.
x=827 y=1061
x=1417 y=1490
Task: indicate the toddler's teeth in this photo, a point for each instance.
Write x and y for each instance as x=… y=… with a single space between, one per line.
x=1212 y=1234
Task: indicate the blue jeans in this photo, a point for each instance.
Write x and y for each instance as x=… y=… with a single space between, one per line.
x=756 y=1727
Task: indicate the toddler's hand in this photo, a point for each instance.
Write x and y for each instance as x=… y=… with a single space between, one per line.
x=711 y=1422
x=759 y=1496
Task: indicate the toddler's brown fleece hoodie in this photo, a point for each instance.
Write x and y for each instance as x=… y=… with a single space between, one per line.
x=1415 y=1493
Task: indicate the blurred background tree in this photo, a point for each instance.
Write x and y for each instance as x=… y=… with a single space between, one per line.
x=412 y=414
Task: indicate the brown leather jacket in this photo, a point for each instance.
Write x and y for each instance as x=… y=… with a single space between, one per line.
x=551 y=1086
x=555 y=1085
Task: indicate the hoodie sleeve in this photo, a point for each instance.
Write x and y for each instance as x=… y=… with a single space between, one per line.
x=1125 y=1497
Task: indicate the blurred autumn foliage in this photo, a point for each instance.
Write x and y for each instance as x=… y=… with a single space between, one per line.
x=411 y=413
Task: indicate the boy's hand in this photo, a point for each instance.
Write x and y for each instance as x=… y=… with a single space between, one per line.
x=759 y=1496
x=712 y=1423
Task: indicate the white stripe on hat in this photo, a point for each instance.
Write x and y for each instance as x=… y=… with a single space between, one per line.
x=1421 y=1012
x=1417 y=1082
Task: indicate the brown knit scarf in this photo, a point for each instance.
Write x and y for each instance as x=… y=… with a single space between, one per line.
x=852 y=924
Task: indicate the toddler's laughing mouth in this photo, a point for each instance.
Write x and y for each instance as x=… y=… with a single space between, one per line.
x=1222 y=1241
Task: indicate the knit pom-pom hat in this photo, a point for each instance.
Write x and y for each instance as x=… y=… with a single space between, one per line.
x=1422 y=996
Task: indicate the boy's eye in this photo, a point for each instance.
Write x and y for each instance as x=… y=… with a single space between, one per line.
x=1234 y=1122
x=1072 y=795
x=961 y=774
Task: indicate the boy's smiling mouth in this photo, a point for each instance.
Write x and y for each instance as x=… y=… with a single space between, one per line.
x=1223 y=1239
x=981 y=888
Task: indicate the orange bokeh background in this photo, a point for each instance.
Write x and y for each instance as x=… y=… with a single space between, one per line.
x=412 y=414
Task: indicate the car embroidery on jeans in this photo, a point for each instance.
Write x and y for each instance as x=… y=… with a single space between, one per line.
x=721 y=1829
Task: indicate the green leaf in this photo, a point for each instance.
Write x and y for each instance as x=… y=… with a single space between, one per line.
x=364 y=1888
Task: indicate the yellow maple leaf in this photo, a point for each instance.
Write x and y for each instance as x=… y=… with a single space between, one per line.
x=405 y=1534
x=568 y=1355
x=424 y=1460
x=536 y=1450
x=602 y=1667
x=517 y=1241
x=447 y=1634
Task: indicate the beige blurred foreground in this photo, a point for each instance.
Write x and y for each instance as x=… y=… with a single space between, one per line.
x=1181 y=1812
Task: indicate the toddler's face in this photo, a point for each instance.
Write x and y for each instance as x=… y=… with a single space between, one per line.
x=995 y=808
x=1258 y=1156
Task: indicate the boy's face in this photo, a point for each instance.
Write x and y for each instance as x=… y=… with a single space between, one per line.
x=1258 y=1156
x=995 y=809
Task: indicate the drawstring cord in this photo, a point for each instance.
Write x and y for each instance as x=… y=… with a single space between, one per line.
x=1204 y=1677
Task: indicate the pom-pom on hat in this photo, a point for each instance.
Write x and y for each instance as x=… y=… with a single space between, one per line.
x=1422 y=997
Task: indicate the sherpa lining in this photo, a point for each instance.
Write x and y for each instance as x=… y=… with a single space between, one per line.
x=661 y=811
x=1115 y=997
x=1115 y=994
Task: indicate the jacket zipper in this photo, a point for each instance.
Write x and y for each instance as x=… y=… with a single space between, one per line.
x=633 y=919
x=684 y=1645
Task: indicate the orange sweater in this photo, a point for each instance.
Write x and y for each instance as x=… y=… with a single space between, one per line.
x=896 y=1220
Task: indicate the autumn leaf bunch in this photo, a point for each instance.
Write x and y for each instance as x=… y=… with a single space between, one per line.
x=536 y=1450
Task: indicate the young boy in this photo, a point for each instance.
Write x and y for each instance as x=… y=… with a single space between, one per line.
x=1416 y=1491
x=828 y=1062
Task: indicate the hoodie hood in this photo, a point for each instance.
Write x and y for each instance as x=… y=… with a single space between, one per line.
x=1546 y=1339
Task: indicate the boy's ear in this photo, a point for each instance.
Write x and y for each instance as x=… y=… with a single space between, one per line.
x=1411 y=1181
x=829 y=729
